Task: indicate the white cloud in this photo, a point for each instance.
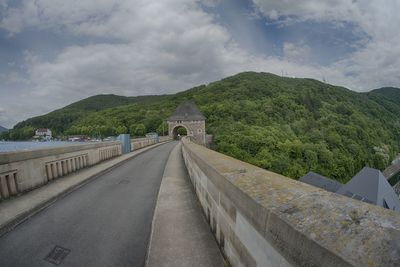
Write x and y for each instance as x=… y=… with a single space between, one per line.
x=156 y=47
x=210 y=3
x=338 y=10
x=372 y=65
x=3 y=116
x=165 y=46
x=296 y=52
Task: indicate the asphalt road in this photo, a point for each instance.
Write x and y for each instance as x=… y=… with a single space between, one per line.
x=104 y=223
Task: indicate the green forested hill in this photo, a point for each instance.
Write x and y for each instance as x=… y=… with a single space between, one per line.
x=390 y=93
x=62 y=119
x=286 y=125
x=100 y=102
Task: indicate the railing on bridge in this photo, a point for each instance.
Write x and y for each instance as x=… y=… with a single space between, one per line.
x=261 y=218
x=22 y=171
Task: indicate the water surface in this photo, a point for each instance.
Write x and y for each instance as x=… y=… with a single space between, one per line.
x=8 y=146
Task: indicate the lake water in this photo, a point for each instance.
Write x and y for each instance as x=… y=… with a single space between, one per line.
x=21 y=146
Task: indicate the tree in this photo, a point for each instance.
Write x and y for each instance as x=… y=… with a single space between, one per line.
x=162 y=129
x=5 y=135
x=181 y=131
x=24 y=133
x=137 y=129
x=121 y=130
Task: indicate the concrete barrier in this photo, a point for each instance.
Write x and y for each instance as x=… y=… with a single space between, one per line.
x=22 y=171
x=261 y=218
x=164 y=138
x=143 y=142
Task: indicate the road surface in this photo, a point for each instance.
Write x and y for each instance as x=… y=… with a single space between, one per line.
x=104 y=223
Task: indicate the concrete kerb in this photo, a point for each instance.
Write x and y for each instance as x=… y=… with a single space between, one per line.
x=10 y=224
x=154 y=215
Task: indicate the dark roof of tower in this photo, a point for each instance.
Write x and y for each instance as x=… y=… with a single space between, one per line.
x=320 y=181
x=187 y=111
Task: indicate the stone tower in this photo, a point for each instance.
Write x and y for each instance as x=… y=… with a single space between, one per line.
x=187 y=115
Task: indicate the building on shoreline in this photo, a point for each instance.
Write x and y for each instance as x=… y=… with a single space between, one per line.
x=43 y=134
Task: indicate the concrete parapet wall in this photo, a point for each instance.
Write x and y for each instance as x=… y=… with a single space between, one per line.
x=10 y=157
x=142 y=142
x=164 y=138
x=262 y=218
x=25 y=170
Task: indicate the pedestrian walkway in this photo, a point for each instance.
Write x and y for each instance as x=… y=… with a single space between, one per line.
x=181 y=235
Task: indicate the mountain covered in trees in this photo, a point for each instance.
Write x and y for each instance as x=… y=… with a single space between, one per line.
x=286 y=125
x=390 y=93
x=2 y=129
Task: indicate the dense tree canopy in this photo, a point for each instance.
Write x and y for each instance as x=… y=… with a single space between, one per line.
x=286 y=125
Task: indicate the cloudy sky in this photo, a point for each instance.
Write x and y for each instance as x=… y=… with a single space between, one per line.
x=54 y=52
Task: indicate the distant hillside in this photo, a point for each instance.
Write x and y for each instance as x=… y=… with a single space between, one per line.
x=62 y=119
x=2 y=129
x=100 y=102
x=391 y=93
x=388 y=97
x=287 y=125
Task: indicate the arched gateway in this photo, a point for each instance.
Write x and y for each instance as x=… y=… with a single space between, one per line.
x=188 y=116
